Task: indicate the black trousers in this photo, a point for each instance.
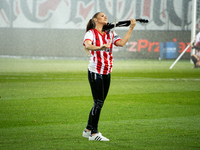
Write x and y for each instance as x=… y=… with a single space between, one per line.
x=99 y=86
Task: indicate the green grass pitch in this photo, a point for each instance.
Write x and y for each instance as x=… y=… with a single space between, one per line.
x=44 y=104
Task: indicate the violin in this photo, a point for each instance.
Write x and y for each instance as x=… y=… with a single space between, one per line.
x=122 y=24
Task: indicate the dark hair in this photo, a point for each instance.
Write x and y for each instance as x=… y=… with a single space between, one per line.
x=91 y=24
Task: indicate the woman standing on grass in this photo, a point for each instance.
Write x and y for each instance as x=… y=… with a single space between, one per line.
x=100 y=44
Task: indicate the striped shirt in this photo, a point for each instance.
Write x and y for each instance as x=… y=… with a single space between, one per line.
x=101 y=61
x=197 y=44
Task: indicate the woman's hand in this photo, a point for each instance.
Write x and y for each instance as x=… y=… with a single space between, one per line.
x=133 y=23
x=105 y=46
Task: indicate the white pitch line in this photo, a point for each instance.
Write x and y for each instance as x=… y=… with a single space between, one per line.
x=157 y=79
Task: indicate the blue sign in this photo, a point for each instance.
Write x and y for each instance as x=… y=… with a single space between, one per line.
x=169 y=50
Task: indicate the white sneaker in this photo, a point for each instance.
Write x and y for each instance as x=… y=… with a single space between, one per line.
x=86 y=134
x=98 y=137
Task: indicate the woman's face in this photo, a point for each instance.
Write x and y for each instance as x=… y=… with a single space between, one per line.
x=101 y=19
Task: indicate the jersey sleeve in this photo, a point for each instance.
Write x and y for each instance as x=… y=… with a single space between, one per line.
x=88 y=36
x=197 y=39
x=197 y=42
x=116 y=38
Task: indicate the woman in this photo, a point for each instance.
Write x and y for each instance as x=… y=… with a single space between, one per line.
x=196 y=57
x=100 y=44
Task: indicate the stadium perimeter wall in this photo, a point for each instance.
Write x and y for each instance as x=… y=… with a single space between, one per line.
x=65 y=43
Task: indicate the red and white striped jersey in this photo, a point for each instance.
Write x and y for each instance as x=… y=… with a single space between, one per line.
x=101 y=61
x=197 y=44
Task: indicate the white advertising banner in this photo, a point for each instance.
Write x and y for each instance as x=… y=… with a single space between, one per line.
x=74 y=14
